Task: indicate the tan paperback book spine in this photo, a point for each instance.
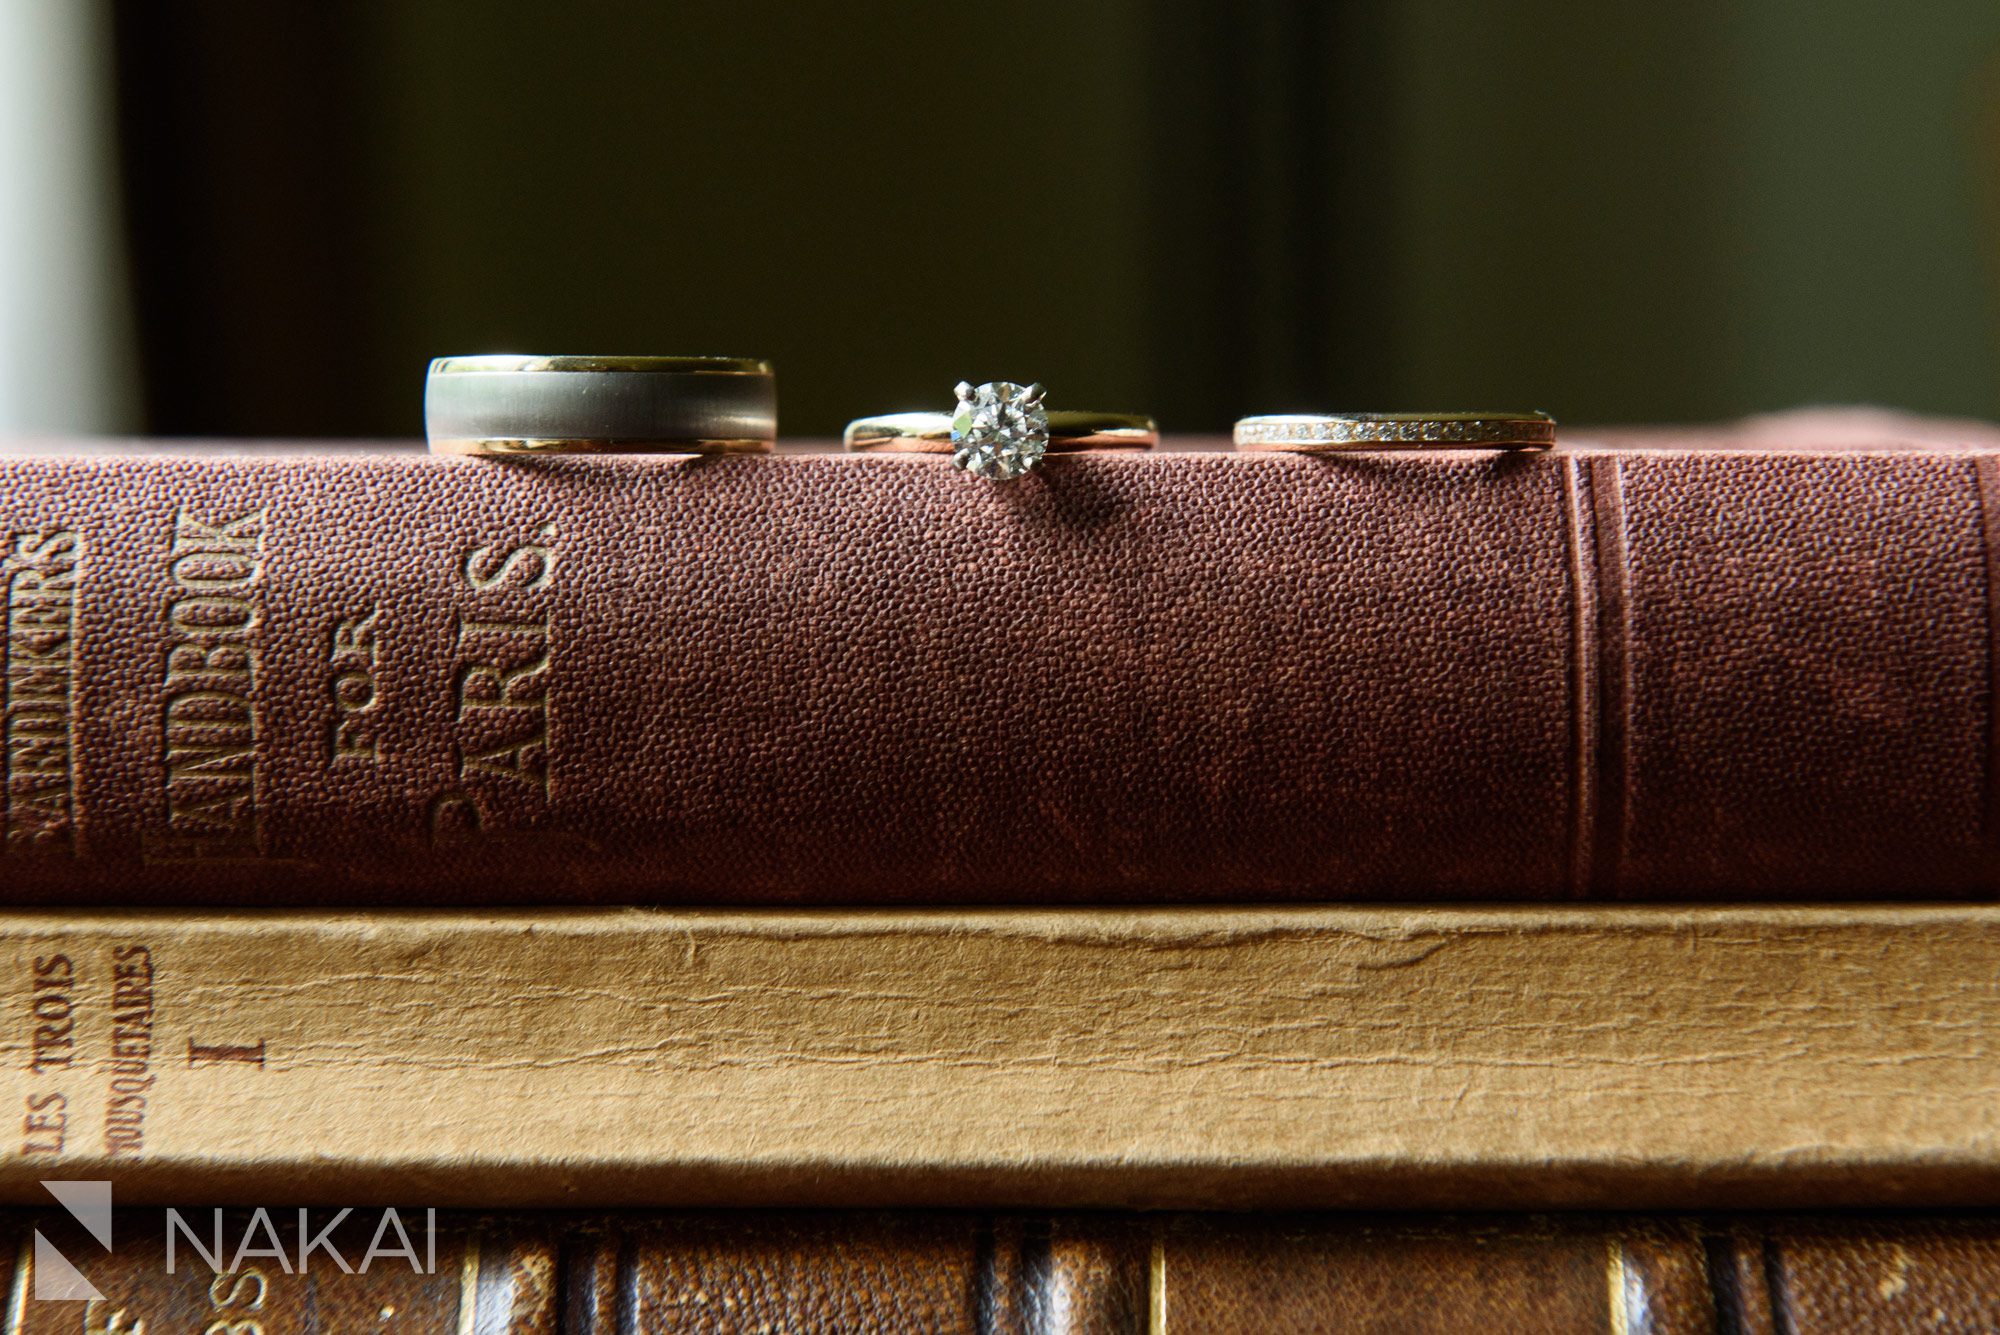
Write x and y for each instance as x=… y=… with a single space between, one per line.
x=1305 y=1057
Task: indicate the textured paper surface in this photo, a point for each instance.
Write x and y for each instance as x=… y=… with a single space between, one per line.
x=1308 y=1057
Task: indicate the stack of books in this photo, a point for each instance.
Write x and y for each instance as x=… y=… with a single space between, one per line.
x=1181 y=892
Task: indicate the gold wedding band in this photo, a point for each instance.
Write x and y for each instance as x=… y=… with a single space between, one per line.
x=1315 y=433
x=512 y=405
x=1000 y=431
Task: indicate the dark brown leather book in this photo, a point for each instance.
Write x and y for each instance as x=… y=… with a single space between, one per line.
x=398 y=1272
x=1025 y=1275
x=1697 y=665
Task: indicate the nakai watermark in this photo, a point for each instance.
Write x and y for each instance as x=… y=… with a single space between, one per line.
x=227 y=1240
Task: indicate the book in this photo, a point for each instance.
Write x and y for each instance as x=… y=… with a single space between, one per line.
x=1017 y=1274
x=1679 y=666
x=1283 y=1057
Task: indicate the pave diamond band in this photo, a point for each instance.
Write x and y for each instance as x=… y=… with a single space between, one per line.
x=1000 y=431
x=1316 y=433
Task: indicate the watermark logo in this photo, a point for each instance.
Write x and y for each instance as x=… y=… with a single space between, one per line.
x=57 y=1280
x=257 y=1237
x=262 y=1240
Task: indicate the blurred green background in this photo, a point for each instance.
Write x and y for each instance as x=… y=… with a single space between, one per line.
x=1191 y=207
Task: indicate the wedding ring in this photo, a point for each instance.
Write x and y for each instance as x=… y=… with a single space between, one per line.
x=1000 y=431
x=599 y=405
x=1312 y=433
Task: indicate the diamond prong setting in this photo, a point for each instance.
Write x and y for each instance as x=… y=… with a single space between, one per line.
x=1000 y=430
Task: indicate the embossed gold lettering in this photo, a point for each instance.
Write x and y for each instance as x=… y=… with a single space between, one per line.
x=501 y=690
x=530 y=566
x=352 y=655
x=42 y=573
x=211 y=718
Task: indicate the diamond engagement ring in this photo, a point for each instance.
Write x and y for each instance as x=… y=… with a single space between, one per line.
x=1000 y=431
x=1312 y=433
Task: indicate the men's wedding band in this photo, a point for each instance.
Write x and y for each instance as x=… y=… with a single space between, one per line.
x=1312 y=433
x=513 y=405
x=1000 y=431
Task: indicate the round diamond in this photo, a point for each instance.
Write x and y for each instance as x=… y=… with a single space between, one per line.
x=1000 y=430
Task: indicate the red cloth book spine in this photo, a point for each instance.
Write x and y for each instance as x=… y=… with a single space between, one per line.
x=1681 y=667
